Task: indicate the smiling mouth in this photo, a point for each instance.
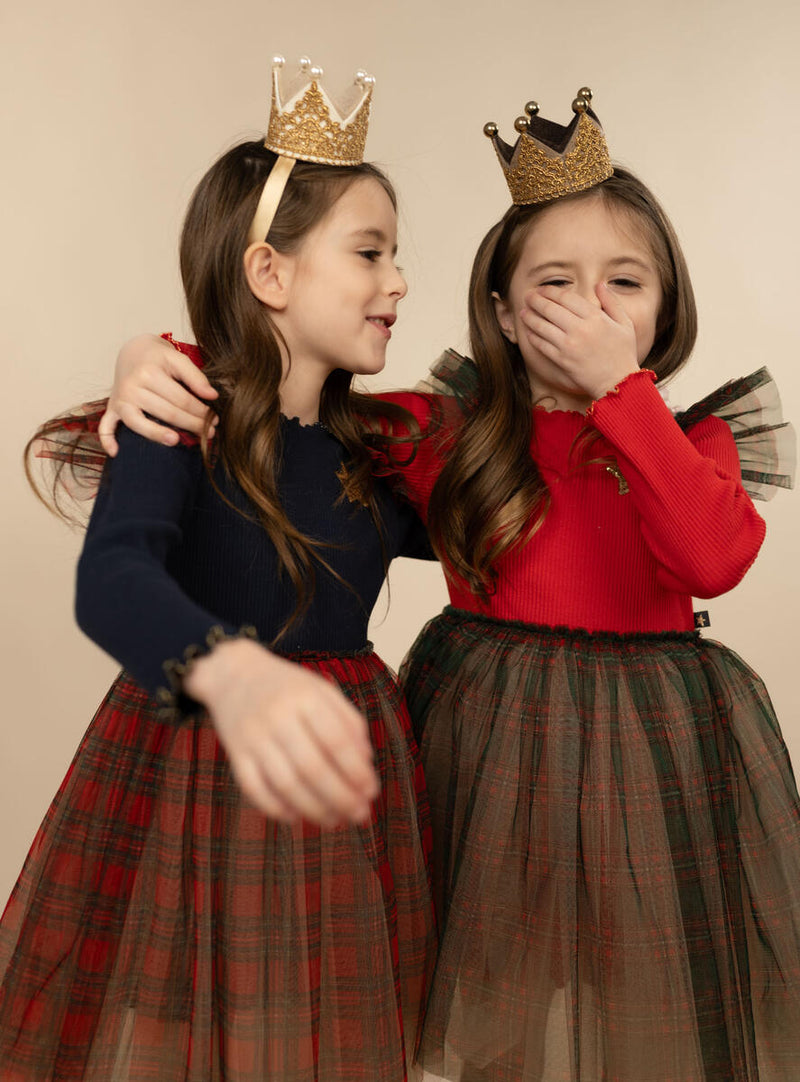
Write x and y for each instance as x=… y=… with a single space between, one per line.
x=383 y=323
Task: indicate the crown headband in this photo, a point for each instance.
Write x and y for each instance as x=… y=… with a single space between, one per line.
x=550 y=160
x=305 y=124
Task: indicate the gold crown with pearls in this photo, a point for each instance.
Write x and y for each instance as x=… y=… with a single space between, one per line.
x=305 y=123
x=549 y=160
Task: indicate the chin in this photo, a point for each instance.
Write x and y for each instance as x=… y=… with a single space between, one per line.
x=369 y=369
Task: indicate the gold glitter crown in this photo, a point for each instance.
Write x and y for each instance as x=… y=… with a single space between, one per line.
x=550 y=160
x=304 y=123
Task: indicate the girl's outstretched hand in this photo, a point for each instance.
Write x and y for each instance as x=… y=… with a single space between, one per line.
x=298 y=748
x=152 y=377
x=594 y=344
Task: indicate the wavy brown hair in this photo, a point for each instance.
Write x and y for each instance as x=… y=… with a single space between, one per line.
x=241 y=348
x=490 y=495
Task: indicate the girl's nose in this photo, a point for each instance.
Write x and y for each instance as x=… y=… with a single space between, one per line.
x=588 y=290
x=397 y=285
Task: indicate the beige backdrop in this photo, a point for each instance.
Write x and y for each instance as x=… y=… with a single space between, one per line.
x=113 y=110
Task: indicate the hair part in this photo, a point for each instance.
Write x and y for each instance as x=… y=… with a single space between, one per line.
x=490 y=495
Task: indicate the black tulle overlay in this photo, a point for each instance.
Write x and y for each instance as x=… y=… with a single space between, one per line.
x=616 y=831
x=751 y=407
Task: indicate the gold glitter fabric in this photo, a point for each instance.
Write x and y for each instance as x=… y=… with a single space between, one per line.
x=310 y=130
x=537 y=173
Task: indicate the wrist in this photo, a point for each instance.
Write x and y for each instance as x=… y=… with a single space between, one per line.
x=210 y=677
x=619 y=380
x=613 y=380
x=631 y=395
x=206 y=668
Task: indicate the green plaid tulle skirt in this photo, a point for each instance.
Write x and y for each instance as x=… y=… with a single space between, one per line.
x=616 y=858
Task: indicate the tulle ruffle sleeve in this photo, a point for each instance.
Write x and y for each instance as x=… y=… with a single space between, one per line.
x=765 y=443
x=453 y=376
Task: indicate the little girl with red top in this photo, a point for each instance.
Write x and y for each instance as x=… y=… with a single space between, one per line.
x=616 y=823
x=233 y=880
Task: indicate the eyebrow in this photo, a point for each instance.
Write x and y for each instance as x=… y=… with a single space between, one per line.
x=619 y=261
x=376 y=235
x=631 y=259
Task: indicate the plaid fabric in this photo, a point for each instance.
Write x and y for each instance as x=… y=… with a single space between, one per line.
x=164 y=930
x=617 y=858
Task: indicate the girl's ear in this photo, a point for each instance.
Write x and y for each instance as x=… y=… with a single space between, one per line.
x=504 y=318
x=268 y=274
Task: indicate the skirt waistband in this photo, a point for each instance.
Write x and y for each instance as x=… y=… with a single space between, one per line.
x=323 y=655
x=562 y=631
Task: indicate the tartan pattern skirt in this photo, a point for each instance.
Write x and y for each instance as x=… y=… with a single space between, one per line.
x=162 y=929
x=616 y=834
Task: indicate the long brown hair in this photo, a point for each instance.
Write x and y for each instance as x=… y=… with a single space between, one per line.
x=490 y=494
x=241 y=349
x=241 y=345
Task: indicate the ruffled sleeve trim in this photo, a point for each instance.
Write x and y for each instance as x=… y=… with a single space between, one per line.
x=640 y=376
x=172 y=700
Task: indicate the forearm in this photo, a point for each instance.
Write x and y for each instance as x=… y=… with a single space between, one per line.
x=126 y=599
x=695 y=516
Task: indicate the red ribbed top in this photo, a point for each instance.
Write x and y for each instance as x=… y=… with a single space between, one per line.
x=607 y=561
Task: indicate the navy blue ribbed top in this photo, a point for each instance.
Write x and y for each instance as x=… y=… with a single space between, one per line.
x=166 y=559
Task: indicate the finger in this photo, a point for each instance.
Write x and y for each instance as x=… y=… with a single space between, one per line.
x=155 y=402
x=136 y=421
x=540 y=327
x=612 y=305
x=561 y=304
x=159 y=393
x=348 y=712
x=167 y=385
x=328 y=729
x=280 y=771
x=350 y=756
x=189 y=374
x=343 y=796
x=548 y=349
x=106 y=429
x=259 y=792
x=551 y=309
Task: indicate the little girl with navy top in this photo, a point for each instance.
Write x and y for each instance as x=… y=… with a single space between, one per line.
x=232 y=882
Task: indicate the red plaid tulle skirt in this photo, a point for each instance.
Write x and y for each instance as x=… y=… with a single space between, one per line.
x=164 y=930
x=616 y=834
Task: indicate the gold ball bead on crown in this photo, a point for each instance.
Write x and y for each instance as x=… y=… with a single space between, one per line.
x=490 y=130
x=521 y=124
x=532 y=108
x=580 y=105
x=585 y=93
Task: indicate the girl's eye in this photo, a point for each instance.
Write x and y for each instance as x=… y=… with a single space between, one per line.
x=556 y=282
x=626 y=283
x=372 y=254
